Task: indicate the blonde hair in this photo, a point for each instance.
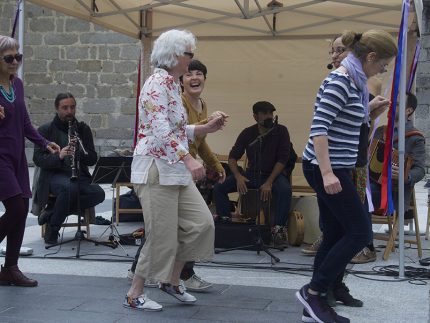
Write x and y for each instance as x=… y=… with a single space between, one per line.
x=378 y=41
x=7 y=43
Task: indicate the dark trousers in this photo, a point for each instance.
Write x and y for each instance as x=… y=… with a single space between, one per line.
x=345 y=222
x=66 y=192
x=281 y=190
x=187 y=271
x=12 y=226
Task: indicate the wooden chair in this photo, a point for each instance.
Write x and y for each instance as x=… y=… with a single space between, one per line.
x=393 y=230
x=428 y=218
x=88 y=215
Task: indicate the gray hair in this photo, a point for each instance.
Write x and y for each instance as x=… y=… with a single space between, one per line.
x=169 y=45
x=7 y=43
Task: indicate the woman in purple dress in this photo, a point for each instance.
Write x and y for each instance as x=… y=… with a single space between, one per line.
x=15 y=191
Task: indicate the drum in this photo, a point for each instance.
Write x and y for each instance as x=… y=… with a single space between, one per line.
x=296 y=228
x=308 y=207
x=248 y=207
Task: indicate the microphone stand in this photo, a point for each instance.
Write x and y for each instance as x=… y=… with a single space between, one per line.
x=80 y=234
x=259 y=243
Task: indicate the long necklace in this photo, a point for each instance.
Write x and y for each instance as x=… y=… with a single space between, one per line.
x=8 y=96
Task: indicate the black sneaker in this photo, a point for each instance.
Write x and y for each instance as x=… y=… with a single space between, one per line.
x=330 y=298
x=308 y=319
x=44 y=216
x=341 y=294
x=316 y=306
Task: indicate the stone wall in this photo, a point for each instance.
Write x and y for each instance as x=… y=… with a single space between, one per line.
x=422 y=118
x=97 y=66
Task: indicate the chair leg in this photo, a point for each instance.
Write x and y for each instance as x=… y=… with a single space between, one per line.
x=428 y=218
x=391 y=242
x=43 y=230
x=417 y=235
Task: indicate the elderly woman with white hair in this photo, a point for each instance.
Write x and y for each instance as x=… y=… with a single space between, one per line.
x=178 y=224
x=15 y=191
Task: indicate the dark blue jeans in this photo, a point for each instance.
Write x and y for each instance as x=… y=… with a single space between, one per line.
x=345 y=222
x=66 y=192
x=281 y=190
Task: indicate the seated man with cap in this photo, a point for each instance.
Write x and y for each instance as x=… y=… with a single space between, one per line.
x=275 y=151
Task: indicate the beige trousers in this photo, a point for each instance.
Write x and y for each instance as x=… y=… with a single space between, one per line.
x=178 y=226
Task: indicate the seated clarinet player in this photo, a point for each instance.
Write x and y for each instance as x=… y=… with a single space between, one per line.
x=57 y=170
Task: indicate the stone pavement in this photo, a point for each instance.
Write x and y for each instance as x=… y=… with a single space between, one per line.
x=248 y=288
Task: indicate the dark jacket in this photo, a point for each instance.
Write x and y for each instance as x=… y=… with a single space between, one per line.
x=48 y=164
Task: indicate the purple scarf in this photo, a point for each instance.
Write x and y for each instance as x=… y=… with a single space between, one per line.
x=355 y=71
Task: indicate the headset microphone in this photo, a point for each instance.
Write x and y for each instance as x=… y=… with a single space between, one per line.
x=330 y=66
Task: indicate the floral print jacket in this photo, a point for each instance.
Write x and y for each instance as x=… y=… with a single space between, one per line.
x=163 y=131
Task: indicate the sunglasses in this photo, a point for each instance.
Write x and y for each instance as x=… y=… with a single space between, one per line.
x=9 y=58
x=189 y=54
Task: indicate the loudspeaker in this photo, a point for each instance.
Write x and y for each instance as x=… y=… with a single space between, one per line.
x=232 y=235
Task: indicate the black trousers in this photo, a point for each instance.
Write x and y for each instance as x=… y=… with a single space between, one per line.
x=66 y=192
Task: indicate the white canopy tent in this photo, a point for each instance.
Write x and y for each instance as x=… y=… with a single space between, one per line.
x=254 y=49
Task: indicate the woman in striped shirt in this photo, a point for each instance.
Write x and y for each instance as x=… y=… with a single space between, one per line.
x=330 y=155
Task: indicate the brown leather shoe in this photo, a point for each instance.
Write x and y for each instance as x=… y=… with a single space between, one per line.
x=14 y=276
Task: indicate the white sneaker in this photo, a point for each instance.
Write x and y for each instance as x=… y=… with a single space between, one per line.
x=196 y=284
x=142 y=303
x=177 y=292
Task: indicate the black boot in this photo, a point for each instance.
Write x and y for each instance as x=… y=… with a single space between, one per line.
x=51 y=234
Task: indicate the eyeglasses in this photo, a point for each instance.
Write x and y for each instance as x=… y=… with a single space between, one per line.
x=189 y=54
x=9 y=58
x=337 y=50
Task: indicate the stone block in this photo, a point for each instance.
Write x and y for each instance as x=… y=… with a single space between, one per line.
x=32 y=11
x=73 y=24
x=95 y=121
x=35 y=66
x=90 y=91
x=130 y=52
x=60 y=39
x=93 y=52
x=102 y=52
x=113 y=53
x=89 y=65
x=5 y=26
x=77 y=52
x=33 y=39
x=126 y=67
x=113 y=79
x=60 y=22
x=46 y=52
x=76 y=78
x=62 y=66
x=42 y=25
x=28 y=51
x=129 y=109
x=423 y=81
x=105 y=38
x=9 y=10
x=104 y=91
x=49 y=91
x=38 y=78
x=422 y=112
x=123 y=91
x=41 y=106
x=115 y=133
x=99 y=105
x=107 y=66
x=93 y=78
x=77 y=90
x=120 y=121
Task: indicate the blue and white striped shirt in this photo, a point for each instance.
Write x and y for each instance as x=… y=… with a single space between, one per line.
x=338 y=114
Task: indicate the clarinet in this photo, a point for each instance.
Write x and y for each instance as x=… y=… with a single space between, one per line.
x=71 y=136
